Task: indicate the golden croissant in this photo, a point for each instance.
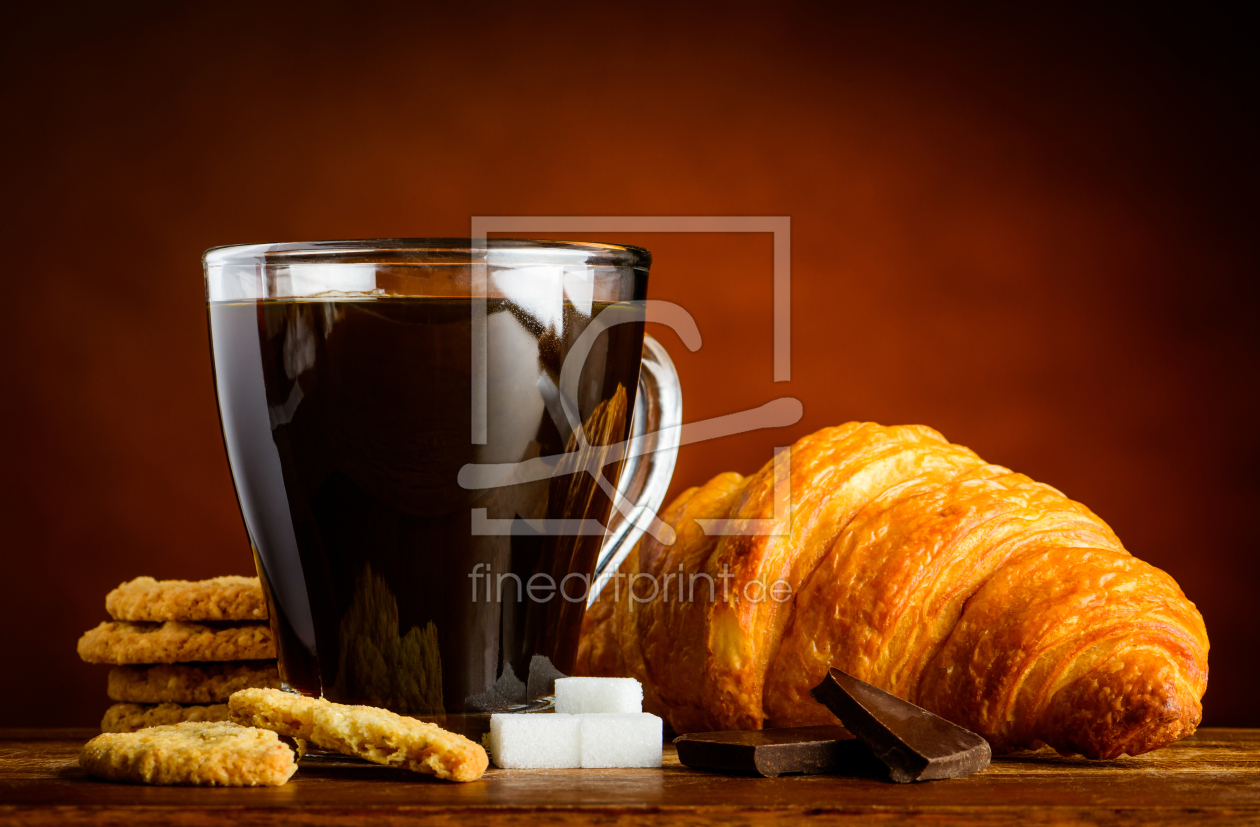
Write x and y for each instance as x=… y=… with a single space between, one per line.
x=909 y=562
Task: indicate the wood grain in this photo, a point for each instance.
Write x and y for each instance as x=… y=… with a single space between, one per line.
x=1212 y=777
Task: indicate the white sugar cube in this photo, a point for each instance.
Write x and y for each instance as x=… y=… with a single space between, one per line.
x=580 y=696
x=620 y=740
x=535 y=741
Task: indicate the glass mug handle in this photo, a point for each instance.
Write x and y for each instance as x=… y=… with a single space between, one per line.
x=651 y=453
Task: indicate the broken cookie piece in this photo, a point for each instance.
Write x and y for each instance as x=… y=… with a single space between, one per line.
x=377 y=735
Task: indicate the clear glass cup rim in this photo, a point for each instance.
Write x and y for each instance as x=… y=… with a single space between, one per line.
x=430 y=251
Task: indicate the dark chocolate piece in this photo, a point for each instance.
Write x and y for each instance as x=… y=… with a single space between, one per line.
x=772 y=752
x=915 y=744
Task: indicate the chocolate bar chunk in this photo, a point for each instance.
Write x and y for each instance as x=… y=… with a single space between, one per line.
x=773 y=752
x=915 y=744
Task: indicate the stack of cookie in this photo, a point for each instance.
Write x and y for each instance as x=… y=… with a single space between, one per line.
x=180 y=648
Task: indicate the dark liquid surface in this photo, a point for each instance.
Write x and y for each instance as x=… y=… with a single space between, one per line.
x=347 y=422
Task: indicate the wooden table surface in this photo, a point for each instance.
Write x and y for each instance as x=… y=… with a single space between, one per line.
x=1212 y=777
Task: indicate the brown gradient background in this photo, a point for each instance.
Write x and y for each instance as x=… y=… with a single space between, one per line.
x=1033 y=230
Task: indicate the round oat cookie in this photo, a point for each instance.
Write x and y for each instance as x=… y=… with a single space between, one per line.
x=123 y=642
x=220 y=754
x=133 y=717
x=190 y=683
x=220 y=598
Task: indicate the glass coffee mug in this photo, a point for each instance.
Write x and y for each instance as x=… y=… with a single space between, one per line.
x=438 y=449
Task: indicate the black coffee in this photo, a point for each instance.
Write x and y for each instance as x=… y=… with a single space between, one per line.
x=346 y=423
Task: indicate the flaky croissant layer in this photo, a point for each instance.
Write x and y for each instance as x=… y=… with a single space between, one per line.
x=909 y=562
